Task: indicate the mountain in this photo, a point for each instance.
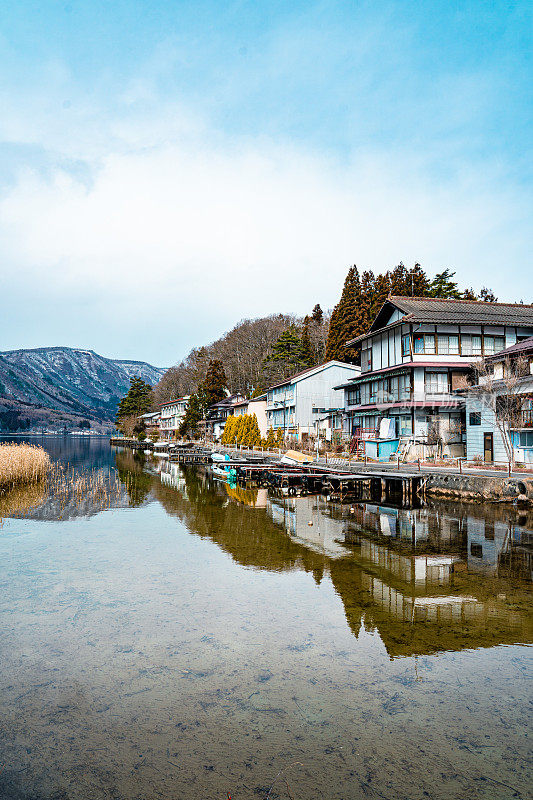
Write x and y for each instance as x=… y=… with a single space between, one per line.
x=63 y=386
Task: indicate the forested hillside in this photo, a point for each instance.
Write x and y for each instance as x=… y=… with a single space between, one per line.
x=257 y=353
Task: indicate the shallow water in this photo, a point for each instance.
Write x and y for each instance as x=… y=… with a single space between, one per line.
x=193 y=641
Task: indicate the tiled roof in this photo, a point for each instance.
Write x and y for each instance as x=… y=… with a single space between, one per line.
x=434 y=309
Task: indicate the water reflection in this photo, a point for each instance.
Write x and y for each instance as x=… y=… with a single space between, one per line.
x=202 y=638
x=443 y=577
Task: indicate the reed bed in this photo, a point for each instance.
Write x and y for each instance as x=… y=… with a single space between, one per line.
x=32 y=485
x=22 y=464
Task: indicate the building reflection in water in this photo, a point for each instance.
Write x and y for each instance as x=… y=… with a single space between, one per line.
x=441 y=577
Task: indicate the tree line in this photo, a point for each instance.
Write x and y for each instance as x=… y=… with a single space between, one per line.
x=257 y=353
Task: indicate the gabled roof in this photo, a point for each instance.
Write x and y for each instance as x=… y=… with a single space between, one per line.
x=307 y=372
x=175 y=400
x=436 y=310
x=232 y=400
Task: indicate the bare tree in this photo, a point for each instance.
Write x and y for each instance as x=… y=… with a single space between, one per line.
x=497 y=387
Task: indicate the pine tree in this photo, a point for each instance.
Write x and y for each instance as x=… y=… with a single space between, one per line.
x=317 y=315
x=307 y=357
x=487 y=295
x=137 y=401
x=418 y=282
x=469 y=294
x=287 y=352
x=280 y=437
x=443 y=286
x=193 y=415
x=344 y=324
x=214 y=383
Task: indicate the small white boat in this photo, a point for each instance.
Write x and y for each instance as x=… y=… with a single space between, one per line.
x=219 y=457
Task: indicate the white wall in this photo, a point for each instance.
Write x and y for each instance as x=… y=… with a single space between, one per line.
x=474 y=433
x=317 y=391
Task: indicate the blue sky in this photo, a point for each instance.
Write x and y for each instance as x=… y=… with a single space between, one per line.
x=169 y=168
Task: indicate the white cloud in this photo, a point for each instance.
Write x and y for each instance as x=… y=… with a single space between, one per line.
x=194 y=222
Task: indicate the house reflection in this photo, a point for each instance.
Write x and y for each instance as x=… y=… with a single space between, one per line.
x=410 y=575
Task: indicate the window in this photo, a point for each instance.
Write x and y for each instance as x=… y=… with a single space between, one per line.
x=447 y=344
x=406 y=345
x=436 y=382
x=366 y=359
x=374 y=391
x=470 y=345
x=406 y=426
x=476 y=550
x=525 y=439
x=424 y=343
x=354 y=396
x=393 y=389
x=405 y=387
x=475 y=418
x=493 y=344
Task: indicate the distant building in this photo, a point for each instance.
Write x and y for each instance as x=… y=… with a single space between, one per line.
x=483 y=438
x=151 y=422
x=218 y=413
x=172 y=414
x=256 y=406
x=308 y=400
x=417 y=352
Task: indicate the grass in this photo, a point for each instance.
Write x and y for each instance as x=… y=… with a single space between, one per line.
x=22 y=464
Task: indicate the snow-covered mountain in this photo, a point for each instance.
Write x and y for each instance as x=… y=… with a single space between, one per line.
x=70 y=382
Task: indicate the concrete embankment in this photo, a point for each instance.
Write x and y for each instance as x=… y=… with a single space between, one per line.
x=480 y=487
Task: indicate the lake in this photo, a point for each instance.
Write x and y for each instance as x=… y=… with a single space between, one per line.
x=165 y=635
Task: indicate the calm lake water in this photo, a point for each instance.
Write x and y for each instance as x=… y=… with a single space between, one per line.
x=164 y=635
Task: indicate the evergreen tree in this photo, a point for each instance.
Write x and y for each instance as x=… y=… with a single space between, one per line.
x=137 y=401
x=270 y=441
x=469 y=294
x=280 y=437
x=229 y=427
x=317 y=315
x=214 y=383
x=487 y=295
x=254 y=434
x=418 y=282
x=193 y=415
x=345 y=319
x=287 y=352
x=307 y=356
x=443 y=286
x=239 y=426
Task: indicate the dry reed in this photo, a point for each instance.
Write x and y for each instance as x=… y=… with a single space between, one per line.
x=22 y=463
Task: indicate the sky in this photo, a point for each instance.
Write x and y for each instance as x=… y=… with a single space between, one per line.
x=169 y=168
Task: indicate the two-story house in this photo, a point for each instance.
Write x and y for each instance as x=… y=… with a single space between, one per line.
x=417 y=352
x=299 y=404
x=172 y=414
x=506 y=390
x=218 y=413
x=151 y=422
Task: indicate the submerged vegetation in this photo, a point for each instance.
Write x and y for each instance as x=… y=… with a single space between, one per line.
x=22 y=464
x=64 y=492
